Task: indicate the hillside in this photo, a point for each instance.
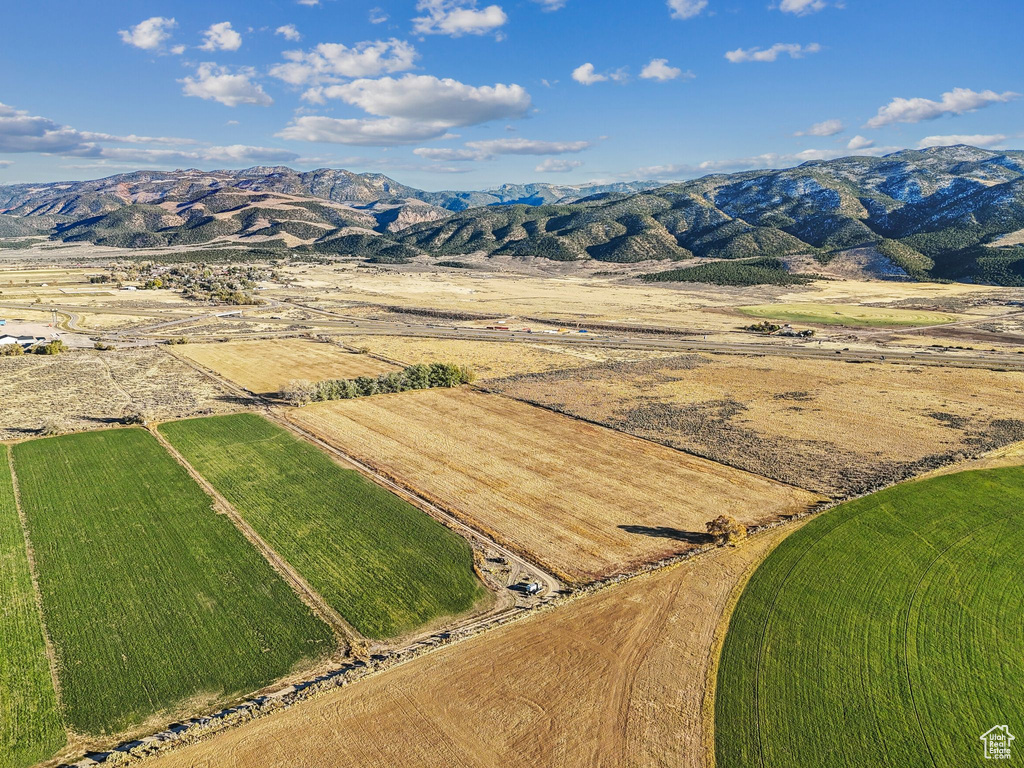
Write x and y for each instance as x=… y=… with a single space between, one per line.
x=927 y=214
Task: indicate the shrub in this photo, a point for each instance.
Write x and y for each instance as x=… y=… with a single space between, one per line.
x=725 y=529
x=11 y=350
x=54 y=347
x=53 y=425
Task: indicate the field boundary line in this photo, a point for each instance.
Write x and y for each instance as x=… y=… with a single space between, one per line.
x=411 y=495
x=722 y=629
x=291 y=576
x=51 y=649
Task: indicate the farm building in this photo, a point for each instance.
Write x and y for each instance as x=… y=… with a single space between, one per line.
x=24 y=341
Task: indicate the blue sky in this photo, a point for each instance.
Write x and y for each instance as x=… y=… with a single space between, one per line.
x=472 y=93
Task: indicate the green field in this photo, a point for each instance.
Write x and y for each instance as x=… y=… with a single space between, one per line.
x=150 y=597
x=846 y=314
x=30 y=724
x=888 y=632
x=384 y=565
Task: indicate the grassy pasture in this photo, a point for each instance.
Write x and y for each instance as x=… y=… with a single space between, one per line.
x=884 y=633
x=848 y=314
x=384 y=565
x=30 y=723
x=151 y=598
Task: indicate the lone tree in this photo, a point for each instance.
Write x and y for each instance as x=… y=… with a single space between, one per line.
x=725 y=529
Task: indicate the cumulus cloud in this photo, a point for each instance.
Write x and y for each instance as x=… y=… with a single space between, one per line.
x=288 y=32
x=431 y=99
x=384 y=132
x=487 y=150
x=408 y=110
x=447 y=155
x=329 y=62
x=794 y=51
x=659 y=69
x=586 y=75
x=221 y=37
x=955 y=102
x=527 y=147
x=686 y=9
x=214 y=83
x=457 y=18
x=21 y=132
x=987 y=140
x=824 y=128
x=801 y=7
x=554 y=165
x=149 y=35
x=860 y=142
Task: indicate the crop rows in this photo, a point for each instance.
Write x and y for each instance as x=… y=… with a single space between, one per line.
x=886 y=633
x=151 y=598
x=384 y=565
x=30 y=724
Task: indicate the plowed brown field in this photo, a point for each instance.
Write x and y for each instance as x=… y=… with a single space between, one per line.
x=583 y=500
x=618 y=679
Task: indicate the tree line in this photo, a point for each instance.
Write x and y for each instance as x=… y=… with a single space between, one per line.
x=420 y=376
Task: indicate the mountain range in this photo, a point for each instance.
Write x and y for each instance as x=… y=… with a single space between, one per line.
x=943 y=213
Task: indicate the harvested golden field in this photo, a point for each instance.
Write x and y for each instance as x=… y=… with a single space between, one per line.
x=585 y=501
x=267 y=366
x=492 y=359
x=832 y=427
x=616 y=679
x=86 y=390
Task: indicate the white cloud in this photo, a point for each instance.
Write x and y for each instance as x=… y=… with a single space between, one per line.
x=824 y=128
x=552 y=5
x=221 y=37
x=21 y=132
x=430 y=99
x=659 y=69
x=6 y=163
x=328 y=62
x=487 y=150
x=553 y=165
x=586 y=75
x=310 y=3
x=794 y=51
x=954 y=102
x=149 y=35
x=801 y=7
x=447 y=155
x=288 y=32
x=378 y=16
x=686 y=9
x=457 y=18
x=767 y=160
x=975 y=140
x=177 y=50
x=235 y=154
x=215 y=83
x=860 y=142
x=527 y=147
x=367 y=133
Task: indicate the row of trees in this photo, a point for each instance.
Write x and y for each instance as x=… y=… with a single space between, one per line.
x=421 y=376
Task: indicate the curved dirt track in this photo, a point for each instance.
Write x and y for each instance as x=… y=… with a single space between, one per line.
x=615 y=679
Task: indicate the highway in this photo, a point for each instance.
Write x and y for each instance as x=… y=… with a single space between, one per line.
x=773 y=347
